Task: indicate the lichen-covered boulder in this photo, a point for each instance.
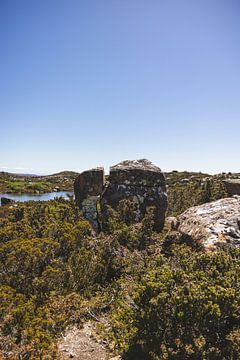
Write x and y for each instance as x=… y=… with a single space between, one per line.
x=88 y=187
x=143 y=184
x=232 y=186
x=213 y=224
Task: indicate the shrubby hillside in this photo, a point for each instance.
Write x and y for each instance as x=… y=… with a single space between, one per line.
x=152 y=298
x=186 y=189
x=33 y=184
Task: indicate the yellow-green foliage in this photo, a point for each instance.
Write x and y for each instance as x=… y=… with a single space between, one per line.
x=186 y=308
x=196 y=192
x=17 y=183
x=48 y=255
x=158 y=302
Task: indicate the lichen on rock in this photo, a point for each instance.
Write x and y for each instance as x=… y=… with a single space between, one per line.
x=138 y=181
x=213 y=224
x=88 y=187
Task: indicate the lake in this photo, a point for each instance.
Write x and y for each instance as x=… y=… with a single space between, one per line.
x=37 y=197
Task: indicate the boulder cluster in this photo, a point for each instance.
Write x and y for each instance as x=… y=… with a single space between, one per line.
x=139 y=181
x=142 y=184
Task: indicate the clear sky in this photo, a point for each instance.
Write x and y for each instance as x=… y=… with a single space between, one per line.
x=87 y=83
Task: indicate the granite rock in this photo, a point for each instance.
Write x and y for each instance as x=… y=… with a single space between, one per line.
x=88 y=187
x=213 y=224
x=143 y=184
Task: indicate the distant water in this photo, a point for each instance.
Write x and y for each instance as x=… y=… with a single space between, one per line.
x=37 y=197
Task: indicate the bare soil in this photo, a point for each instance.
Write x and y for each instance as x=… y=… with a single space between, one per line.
x=82 y=344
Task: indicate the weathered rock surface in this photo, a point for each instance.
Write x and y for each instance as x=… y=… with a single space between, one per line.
x=141 y=182
x=213 y=224
x=232 y=186
x=87 y=188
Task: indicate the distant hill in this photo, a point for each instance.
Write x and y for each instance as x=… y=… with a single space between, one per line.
x=65 y=173
x=32 y=183
x=61 y=173
x=5 y=173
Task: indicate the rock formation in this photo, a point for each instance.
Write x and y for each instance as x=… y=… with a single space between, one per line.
x=213 y=224
x=88 y=187
x=139 y=181
x=142 y=183
x=232 y=186
x=6 y=201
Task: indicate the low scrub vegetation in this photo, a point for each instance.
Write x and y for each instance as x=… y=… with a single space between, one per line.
x=17 y=183
x=158 y=301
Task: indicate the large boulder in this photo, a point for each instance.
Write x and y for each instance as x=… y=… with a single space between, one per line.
x=88 y=187
x=213 y=224
x=143 y=184
x=232 y=186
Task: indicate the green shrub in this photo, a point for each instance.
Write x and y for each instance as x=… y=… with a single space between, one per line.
x=188 y=308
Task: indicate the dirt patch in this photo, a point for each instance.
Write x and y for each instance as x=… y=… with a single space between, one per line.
x=82 y=344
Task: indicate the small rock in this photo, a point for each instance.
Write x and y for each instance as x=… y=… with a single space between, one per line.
x=6 y=201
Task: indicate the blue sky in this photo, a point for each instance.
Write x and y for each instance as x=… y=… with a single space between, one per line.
x=85 y=83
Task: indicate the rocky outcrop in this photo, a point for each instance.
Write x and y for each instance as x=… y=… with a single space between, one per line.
x=138 y=181
x=88 y=187
x=232 y=186
x=143 y=184
x=213 y=224
x=6 y=201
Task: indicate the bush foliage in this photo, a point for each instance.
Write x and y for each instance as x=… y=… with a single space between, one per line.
x=157 y=302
